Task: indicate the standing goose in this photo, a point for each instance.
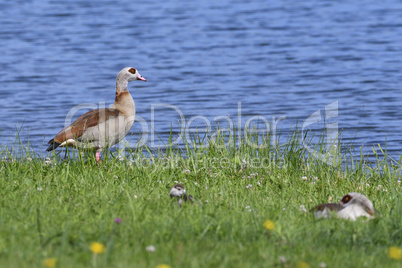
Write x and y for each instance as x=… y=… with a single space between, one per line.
x=101 y=128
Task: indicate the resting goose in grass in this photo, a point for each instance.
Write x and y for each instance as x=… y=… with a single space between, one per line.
x=179 y=191
x=101 y=128
x=351 y=206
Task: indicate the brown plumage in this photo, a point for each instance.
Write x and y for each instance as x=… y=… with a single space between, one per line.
x=78 y=127
x=328 y=206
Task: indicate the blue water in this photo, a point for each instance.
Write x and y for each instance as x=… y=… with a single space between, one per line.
x=276 y=58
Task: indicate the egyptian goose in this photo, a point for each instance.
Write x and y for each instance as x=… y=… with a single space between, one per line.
x=351 y=206
x=101 y=128
x=179 y=191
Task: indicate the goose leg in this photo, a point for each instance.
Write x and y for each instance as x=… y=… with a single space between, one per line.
x=97 y=155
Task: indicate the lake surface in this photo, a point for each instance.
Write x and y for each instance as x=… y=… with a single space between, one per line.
x=205 y=58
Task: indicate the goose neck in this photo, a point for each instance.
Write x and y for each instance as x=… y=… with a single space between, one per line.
x=121 y=84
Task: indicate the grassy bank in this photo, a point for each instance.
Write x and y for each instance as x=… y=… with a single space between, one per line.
x=57 y=208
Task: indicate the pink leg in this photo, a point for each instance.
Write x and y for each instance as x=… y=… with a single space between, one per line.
x=97 y=155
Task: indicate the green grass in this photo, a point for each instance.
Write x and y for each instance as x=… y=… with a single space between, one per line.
x=56 y=210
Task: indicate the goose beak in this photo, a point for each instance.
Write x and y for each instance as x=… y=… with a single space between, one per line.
x=369 y=211
x=141 y=78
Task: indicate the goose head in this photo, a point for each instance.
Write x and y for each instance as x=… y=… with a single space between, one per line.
x=355 y=205
x=178 y=191
x=130 y=74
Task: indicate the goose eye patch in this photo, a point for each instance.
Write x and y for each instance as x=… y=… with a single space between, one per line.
x=346 y=199
x=132 y=70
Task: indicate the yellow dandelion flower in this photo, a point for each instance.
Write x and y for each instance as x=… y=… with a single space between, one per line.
x=50 y=262
x=395 y=253
x=163 y=266
x=269 y=225
x=97 y=248
x=302 y=264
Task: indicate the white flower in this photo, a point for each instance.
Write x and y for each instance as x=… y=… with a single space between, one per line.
x=322 y=265
x=284 y=209
x=302 y=208
x=282 y=259
x=258 y=183
x=304 y=178
x=120 y=158
x=249 y=186
x=29 y=159
x=39 y=189
x=206 y=187
x=247 y=207
x=187 y=171
x=176 y=181
x=196 y=183
x=250 y=210
x=150 y=248
x=135 y=196
x=48 y=161
x=379 y=187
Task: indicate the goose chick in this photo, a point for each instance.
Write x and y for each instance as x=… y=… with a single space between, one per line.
x=179 y=191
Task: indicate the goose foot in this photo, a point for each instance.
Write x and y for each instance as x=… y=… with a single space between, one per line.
x=97 y=156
